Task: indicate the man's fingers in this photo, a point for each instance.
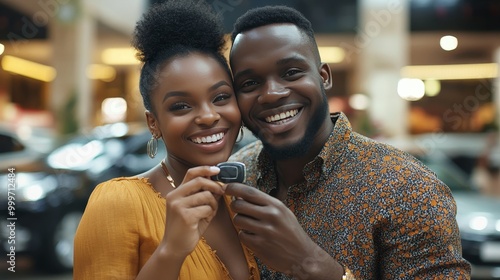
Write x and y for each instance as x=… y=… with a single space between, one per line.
x=248 y=193
x=247 y=223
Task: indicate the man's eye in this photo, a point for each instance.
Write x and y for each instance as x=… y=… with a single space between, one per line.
x=291 y=72
x=248 y=84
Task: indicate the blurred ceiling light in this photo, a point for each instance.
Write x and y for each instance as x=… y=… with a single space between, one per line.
x=359 y=101
x=114 y=109
x=119 y=56
x=28 y=68
x=331 y=54
x=448 y=42
x=25 y=132
x=101 y=72
x=2 y=48
x=451 y=72
x=432 y=87
x=411 y=89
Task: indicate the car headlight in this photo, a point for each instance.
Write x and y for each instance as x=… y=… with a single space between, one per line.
x=33 y=186
x=483 y=223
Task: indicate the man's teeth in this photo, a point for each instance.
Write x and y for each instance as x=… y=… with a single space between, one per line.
x=208 y=139
x=281 y=116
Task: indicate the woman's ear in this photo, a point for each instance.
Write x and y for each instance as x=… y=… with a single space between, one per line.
x=152 y=124
x=326 y=75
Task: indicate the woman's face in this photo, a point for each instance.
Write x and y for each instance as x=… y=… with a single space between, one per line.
x=196 y=111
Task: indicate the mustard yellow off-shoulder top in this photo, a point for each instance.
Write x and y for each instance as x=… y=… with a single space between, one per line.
x=122 y=226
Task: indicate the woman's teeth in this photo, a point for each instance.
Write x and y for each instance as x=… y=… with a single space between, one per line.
x=281 y=116
x=208 y=139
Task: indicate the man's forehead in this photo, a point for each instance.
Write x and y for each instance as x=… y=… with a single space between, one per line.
x=275 y=30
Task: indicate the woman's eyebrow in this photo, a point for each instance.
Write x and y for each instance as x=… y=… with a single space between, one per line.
x=173 y=94
x=219 y=84
x=182 y=93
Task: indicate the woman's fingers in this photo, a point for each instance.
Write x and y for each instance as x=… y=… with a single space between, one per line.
x=194 y=200
x=201 y=171
x=198 y=179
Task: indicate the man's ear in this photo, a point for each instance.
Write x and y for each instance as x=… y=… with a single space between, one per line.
x=326 y=75
x=152 y=124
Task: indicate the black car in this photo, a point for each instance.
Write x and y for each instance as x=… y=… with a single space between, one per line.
x=48 y=201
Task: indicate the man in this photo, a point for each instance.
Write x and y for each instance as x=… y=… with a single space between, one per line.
x=330 y=204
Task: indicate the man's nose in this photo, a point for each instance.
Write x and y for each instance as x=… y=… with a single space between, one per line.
x=273 y=91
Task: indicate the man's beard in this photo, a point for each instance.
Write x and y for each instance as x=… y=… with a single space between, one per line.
x=301 y=147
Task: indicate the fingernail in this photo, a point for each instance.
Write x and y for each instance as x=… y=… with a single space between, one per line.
x=214 y=168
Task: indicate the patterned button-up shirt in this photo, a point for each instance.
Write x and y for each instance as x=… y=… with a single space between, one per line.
x=373 y=208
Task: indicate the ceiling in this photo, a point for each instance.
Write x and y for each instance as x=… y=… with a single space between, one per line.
x=424 y=49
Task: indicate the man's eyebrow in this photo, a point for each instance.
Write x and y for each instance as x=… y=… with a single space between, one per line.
x=294 y=58
x=283 y=61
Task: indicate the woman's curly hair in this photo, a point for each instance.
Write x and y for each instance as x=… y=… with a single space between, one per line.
x=174 y=29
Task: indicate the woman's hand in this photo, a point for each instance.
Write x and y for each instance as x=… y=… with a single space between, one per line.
x=190 y=208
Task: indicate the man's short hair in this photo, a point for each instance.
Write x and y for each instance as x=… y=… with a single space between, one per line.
x=267 y=15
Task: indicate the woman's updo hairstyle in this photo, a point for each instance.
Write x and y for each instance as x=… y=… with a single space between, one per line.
x=174 y=29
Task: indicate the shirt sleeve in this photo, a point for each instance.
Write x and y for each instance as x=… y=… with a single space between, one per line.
x=106 y=242
x=423 y=240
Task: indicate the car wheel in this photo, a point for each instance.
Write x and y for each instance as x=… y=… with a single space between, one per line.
x=59 y=256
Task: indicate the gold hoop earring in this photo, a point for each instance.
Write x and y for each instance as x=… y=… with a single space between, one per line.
x=240 y=135
x=152 y=146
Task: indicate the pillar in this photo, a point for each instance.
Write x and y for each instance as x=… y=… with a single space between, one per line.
x=382 y=41
x=72 y=35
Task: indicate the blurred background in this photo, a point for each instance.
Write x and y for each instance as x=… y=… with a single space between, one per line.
x=421 y=75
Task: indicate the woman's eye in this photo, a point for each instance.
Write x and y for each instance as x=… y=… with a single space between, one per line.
x=179 y=106
x=222 y=97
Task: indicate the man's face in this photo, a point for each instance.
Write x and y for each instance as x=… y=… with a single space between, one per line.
x=280 y=88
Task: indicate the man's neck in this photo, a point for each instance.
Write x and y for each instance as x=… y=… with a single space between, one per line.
x=289 y=172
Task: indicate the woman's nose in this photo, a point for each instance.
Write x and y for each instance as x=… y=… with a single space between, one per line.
x=207 y=115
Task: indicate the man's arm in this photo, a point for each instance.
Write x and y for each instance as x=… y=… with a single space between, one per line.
x=422 y=239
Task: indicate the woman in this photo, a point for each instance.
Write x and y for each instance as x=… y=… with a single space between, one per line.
x=172 y=222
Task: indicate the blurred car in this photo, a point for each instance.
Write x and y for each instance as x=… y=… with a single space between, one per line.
x=24 y=147
x=454 y=157
x=110 y=151
x=50 y=200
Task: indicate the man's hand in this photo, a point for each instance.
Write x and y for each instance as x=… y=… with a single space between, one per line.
x=272 y=232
